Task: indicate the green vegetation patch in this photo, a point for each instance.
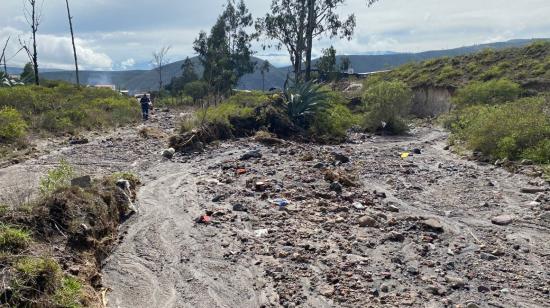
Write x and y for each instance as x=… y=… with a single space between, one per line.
x=14 y=239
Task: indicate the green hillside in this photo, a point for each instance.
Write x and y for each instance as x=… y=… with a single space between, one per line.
x=528 y=66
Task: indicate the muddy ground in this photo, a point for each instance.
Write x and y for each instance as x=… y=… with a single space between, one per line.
x=362 y=228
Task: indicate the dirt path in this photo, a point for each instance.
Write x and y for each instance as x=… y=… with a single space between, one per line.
x=368 y=245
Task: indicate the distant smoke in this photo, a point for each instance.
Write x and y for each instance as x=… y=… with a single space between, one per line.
x=101 y=78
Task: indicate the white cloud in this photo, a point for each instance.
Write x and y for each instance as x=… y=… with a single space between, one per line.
x=128 y=63
x=55 y=51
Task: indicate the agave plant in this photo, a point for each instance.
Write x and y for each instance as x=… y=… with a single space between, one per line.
x=303 y=100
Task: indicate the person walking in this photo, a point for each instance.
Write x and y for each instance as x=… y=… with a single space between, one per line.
x=145 y=104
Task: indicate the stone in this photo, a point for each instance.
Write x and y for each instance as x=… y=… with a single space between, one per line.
x=238 y=207
x=545 y=216
x=455 y=282
x=169 y=153
x=336 y=187
x=417 y=151
x=488 y=256
x=471 y=305
x=502 y=220
x=340 y=157
x=385 y=288
x=532 y=190
x=483 y=289
x=412 y=270
x=79 y=141
x=82 y=182
x=326 y=291
x=367 y=221
x=358 y=206
x=251 y=154
x=433 y=224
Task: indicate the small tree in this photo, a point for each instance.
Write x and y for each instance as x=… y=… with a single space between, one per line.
x=286 y=24
x=345 y=64
x=197 y=90
x=226 y=52
x=28 y=73
x=327 y=62
x=160 y=60
x=264 y=68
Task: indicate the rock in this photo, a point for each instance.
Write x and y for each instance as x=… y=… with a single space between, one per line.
x=375 y=292
x=417 y=151
x=471 y=305
x=532 y=190
x=545 y=216
x=526 y=162
x=385 y=288
x=319 y=166
x=413 y=270
x=326 y=291
x=169 y=153
x=455 y=282
x=367 y=221
x=488 y=256
x=238 y=207
x=82 y=182
x=218 y=198
x=251 y=154
x=343 y=159
x=483 y=289
x=395 y=236
x=358 y=206
x=337 y=187
x=78 y=141
x=433 y=224
x=502 y=220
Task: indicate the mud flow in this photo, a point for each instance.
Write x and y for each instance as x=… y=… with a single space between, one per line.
x=300 y=225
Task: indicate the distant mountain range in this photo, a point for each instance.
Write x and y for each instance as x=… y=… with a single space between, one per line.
x=142 y=80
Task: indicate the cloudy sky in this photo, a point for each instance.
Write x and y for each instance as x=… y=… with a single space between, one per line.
x=122 y=34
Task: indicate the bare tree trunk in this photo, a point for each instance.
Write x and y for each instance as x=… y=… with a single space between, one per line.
x=34 y=27
x=4 y=55
x=74 y=46
x=159 y=59
x=309 y=36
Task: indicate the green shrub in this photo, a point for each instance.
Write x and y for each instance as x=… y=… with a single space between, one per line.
x=447 y=74
x=57 y=178
x=488 y=93
x=35 y=277
x=69 y=294
x=221 y=113
x=386 y=106
x=12 y=125
x=61 y=107
x=249 y=98
x=520 y=129
x=333 y=122
x=13 y=239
